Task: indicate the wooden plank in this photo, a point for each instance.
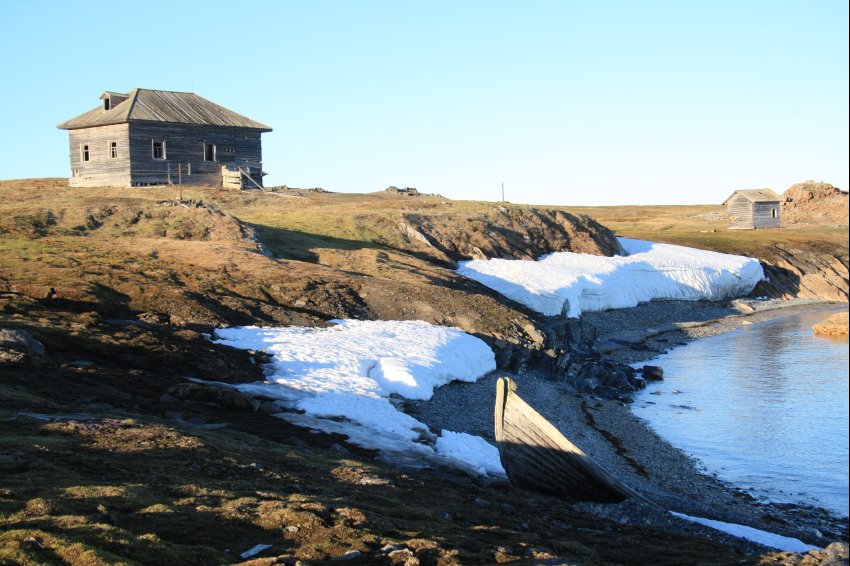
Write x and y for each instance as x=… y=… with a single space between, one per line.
x=537 y=456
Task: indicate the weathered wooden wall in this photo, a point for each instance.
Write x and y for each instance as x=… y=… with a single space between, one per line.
x=184 y=145
x=101 y=169
x=184 y=150
x=764 y=215
x=746 y=214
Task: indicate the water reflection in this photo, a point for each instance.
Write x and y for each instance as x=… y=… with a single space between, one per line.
x=770 y=409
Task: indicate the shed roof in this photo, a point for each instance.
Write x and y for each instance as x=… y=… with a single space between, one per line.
x=145 y=105
x=755 y=195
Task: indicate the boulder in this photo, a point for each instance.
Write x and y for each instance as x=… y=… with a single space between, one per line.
x=835 y=325
x=652 y=373
x=604 y=378
x=20 y=341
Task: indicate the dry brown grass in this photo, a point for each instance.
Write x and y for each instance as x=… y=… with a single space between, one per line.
x=693 y=226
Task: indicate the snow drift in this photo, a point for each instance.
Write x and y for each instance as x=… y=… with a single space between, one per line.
x=570 y=283
x=341 y=377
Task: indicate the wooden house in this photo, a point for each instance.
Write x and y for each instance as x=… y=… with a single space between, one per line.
x=156 y=137
x=756 y=208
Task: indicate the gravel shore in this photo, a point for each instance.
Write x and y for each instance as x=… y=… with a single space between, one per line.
x=610 y=434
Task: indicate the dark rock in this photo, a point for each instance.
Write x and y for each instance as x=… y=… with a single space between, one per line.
x=402 y=556
x=606 y=379
x=652 y=373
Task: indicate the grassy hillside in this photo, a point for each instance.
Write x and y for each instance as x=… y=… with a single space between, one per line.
x=108 y=455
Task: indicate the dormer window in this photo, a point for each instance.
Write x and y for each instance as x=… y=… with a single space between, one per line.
x=111 y=100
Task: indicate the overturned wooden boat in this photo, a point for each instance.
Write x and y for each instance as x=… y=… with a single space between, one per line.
x=536 y=456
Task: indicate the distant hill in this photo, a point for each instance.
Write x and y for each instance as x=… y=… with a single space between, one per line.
x=812 y=202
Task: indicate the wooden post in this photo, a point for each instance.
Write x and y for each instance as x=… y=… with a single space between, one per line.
x=180 y=180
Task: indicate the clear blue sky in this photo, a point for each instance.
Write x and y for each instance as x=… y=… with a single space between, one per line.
x=565 y=102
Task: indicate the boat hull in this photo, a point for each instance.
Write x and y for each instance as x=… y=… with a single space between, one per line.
x=536 y=456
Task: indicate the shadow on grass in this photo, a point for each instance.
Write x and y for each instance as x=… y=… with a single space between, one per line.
x=292 y=244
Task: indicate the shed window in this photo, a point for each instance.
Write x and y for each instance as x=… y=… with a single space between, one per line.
x=773 y=212
x=84 y=152
x=158 y=149
x=113 y=149
x=209 y=152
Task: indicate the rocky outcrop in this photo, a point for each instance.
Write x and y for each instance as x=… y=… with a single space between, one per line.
x=835 y=325
x=811 y=202
x=511 y=232
x=792 y=272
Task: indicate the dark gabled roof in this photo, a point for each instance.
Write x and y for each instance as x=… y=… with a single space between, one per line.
x=755 y=195
x=143 y=105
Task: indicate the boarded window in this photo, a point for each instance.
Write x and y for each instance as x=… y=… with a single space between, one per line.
x=113 y=149
x=158 y=149
x=209 y=152
x=84 y=152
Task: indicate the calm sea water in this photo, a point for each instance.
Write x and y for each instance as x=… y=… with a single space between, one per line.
x=764 y=407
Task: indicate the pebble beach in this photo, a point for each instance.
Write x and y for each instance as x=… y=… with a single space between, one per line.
x=614 y=437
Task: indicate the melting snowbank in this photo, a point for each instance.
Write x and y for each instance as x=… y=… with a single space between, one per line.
x=570 y=283
x=348 y=372
x=765 y=538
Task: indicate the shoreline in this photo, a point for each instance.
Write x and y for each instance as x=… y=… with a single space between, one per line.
x=615 y=438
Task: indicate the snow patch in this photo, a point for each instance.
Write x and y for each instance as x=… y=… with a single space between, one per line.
x=470 y=450
x=341 y=379
x=570 y=283
x=765 y=538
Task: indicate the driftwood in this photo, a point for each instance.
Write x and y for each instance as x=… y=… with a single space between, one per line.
x=536 y=456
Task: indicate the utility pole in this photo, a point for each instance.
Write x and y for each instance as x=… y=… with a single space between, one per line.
x=503 y=192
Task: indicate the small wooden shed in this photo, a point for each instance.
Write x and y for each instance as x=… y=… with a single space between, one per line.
x=753 y=208
x=156 y=137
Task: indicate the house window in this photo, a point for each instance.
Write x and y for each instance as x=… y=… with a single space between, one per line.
x=158 y=149
x=773 y=212
x=106 y=104
x=84 y=152
x=209 y=152
x=113 y=149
